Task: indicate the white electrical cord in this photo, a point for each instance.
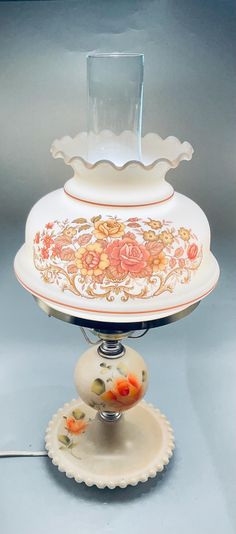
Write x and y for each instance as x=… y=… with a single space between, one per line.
x=12 y=454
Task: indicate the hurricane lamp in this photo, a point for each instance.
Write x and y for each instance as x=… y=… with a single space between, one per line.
x=118 y=251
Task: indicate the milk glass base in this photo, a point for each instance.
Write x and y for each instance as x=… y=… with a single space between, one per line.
x=133 y=449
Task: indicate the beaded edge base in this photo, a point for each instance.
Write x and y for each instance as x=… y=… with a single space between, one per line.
x=153 y=468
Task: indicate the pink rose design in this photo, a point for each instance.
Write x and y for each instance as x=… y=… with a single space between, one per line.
x=128 y=256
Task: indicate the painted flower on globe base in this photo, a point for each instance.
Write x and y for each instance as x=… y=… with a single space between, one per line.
x=112 y=385
x=118 y=393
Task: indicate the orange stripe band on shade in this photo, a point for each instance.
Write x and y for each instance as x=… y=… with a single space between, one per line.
x=118 y=205
x=188 y=303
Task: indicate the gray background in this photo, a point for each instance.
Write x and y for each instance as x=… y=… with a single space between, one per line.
x=190 y=80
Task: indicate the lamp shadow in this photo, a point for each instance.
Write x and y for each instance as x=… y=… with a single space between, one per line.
x=119 y=495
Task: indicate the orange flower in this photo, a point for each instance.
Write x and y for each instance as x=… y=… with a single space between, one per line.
x=159 y=263
x=157 y=259
x=111 y=228
x=149 y=235
x=126 y=391
x=75 y=426
x=69 y=232
x=91 y=260
x=184 y=233
x=154 y=224
x=47 y=241
x=49 y=225
x=166 y=237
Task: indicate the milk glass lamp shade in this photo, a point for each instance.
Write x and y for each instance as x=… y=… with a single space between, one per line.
x=117 y=243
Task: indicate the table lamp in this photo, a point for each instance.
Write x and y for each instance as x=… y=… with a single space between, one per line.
x=117 y=251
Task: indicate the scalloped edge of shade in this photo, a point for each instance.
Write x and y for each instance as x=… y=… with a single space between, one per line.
x=61 y=148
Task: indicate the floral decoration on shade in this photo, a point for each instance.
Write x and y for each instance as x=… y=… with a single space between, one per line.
x=111 y=258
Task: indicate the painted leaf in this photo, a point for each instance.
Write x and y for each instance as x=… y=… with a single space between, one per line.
x=78 y=414
x=144 y=375
x=100 y=277
x=84 y=239
x=67 y=254
x=72 y=445
x=114 y=274
x=130 y=235
x=72 y=268
x=179 y=251
x=64 y=439
x=96 y=219
x=123 y=370
x=81 y=220
x=155 y=247
x=62 y=240
x=98 y=386
x=84 y=227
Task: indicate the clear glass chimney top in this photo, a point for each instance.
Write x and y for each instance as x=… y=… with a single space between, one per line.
x=115 y=96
